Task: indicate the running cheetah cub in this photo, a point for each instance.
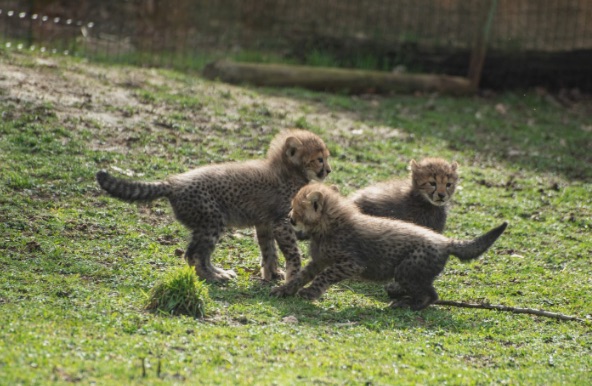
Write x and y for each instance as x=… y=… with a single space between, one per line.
x=422 y=199
x=346 y=243
x=241 y=194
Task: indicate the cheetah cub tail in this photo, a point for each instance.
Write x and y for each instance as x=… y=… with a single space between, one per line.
x=132 y=190
x=469 y=250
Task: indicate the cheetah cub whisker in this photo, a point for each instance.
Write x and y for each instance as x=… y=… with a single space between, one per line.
x=345 y=243
x=422 y=199
x=256 y=193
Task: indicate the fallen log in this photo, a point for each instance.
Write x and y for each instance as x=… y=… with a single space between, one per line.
x=334 y=79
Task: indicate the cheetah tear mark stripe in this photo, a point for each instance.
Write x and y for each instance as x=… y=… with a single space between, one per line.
x=132 y=190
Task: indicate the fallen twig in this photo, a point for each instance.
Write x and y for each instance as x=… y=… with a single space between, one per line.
x=516 y=310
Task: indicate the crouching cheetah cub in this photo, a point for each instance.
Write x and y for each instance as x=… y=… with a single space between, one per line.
x=422 y=199
x=241 y=194
x=346 y=243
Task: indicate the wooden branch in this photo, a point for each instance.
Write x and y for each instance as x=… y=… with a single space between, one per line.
x=512 y=309
x=334 y=79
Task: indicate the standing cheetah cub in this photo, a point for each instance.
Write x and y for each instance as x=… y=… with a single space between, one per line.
x=346 y=243
x=422 y=199
x=241 y=194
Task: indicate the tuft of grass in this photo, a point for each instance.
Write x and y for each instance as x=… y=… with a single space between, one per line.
x=180 y=293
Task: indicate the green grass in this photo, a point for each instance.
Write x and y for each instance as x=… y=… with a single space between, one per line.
x=76 y=265
x=180 y=293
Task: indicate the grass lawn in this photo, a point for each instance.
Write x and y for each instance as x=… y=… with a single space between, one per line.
x=77 y=266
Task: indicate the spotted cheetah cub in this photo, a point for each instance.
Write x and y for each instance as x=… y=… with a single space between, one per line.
x=241 y=194
x=422 y=199
x=346 y=243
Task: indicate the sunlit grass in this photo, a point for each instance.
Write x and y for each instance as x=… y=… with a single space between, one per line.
x=77 y=266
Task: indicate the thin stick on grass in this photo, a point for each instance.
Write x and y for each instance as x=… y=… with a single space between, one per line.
x=516 y=310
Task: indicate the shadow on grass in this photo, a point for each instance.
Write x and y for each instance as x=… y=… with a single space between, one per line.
x=331 y=311
x=525 y=130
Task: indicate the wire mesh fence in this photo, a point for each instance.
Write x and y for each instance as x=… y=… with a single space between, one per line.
x=531 y=42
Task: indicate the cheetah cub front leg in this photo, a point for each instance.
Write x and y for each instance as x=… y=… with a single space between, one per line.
x=286 y=238
x=269 y=257
x=299 y=280
x=343 y=269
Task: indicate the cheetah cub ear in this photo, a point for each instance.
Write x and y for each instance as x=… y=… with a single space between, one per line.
x=315 y=198
x=413 y=166
x=454 y=165
x=293 y=149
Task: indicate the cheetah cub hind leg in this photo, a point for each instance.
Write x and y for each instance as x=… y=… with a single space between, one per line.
x=416 y=295
x=395 y=291
x=198 y=256
x=416 y=304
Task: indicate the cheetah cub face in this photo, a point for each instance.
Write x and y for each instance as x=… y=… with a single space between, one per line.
x=307 y=210
x=312 y=157
x=317 y=167
x=434 y=179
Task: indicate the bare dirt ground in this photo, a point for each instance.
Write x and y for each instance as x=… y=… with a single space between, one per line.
x=110 y=98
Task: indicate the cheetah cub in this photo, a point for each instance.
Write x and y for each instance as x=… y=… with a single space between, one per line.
x=422 y=199
x=241 y=194
x=346 y=243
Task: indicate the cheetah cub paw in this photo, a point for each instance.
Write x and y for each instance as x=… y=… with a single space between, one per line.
x=309 y=293
x=269 y=275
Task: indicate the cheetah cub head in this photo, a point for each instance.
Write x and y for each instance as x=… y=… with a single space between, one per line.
x=302 y=152
x=435 y=179
x=311 y=208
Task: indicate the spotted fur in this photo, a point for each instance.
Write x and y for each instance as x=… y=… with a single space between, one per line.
x=421 y=199
x=346 y=243
x=256 y=193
